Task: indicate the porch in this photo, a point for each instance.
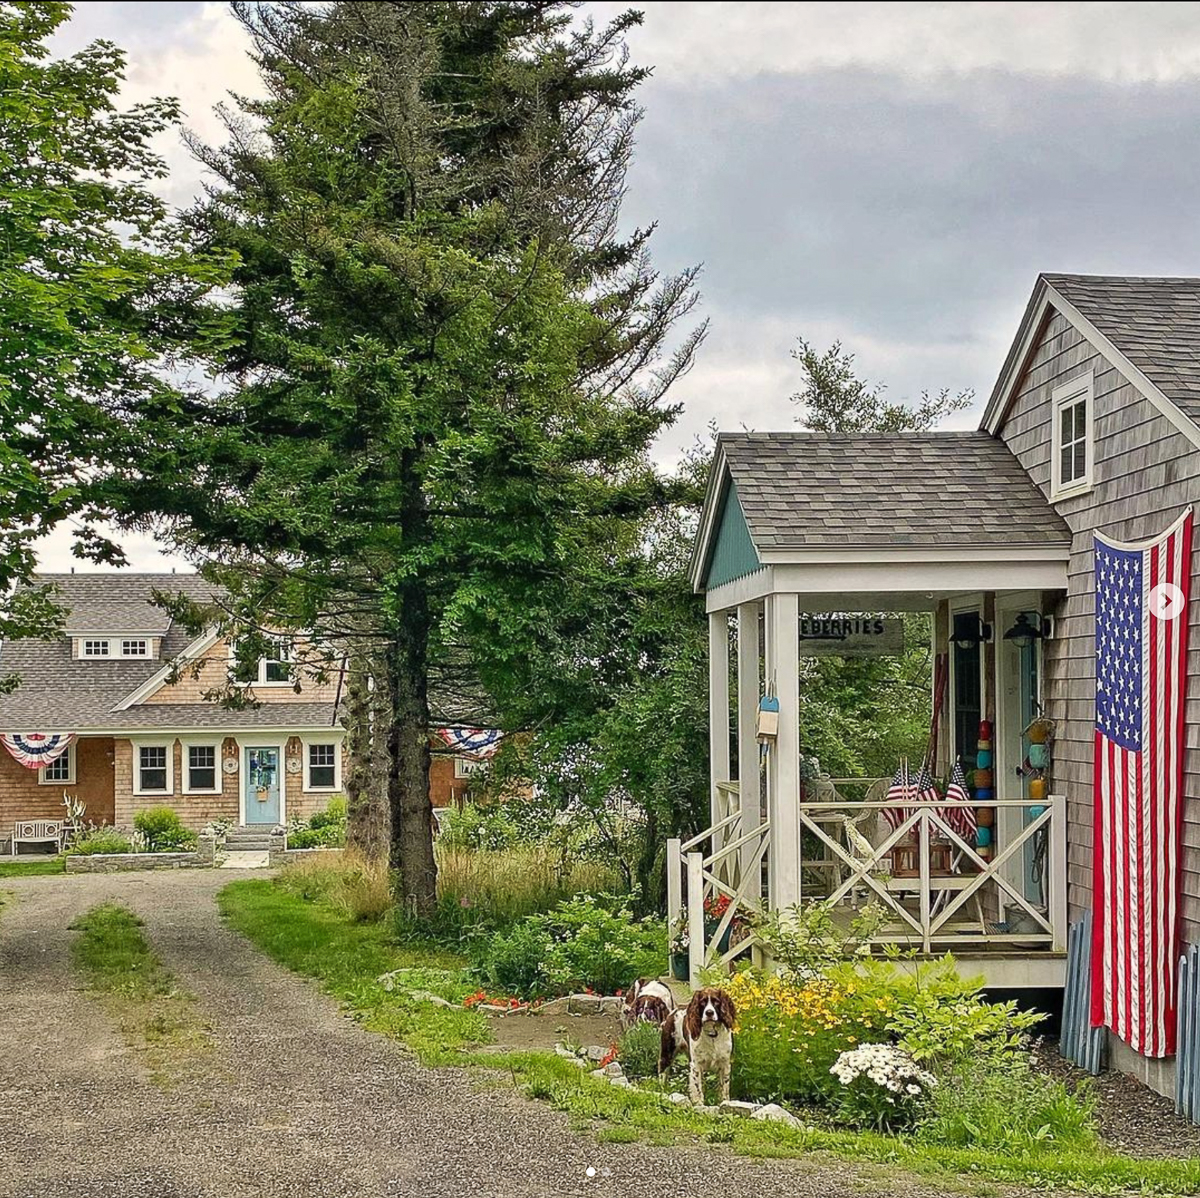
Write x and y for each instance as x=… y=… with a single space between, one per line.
x=986 y=564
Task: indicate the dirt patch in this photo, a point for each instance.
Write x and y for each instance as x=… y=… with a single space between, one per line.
x=523 y=1031
x=1132 y=1117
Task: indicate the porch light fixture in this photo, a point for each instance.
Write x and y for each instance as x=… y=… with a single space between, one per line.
x=971 y=638
x=1024 y=632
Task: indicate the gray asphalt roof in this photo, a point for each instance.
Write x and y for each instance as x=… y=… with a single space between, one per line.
x=58 y=693
x=1154 y=322
x=805 y=490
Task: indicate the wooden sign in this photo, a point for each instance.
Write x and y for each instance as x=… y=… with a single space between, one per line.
x=851 y=636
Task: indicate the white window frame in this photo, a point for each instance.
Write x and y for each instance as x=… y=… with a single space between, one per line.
x=260 y=674
x=1067 y=396
x=306 y=745
x=95 y=640
x=138 y=746
x=69 y=780
x=186 y=746
x=135 y=640
x=461 y=765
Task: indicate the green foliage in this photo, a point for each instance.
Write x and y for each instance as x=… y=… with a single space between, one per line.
x=324 y=829
x=114 y=953
x=1005 y=1104
x=483 y=891
x=31 y=868
x=804 y=939
x=89 y=276
x=638 y=1049
x=356 y=887
x=100 y=840
x=879 y=1086
x=163 y=830
x=580 y=945
x=474 y=826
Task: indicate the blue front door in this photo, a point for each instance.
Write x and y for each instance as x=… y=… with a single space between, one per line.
x=262 y=786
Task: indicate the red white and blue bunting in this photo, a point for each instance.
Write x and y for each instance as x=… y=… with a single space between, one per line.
x=473 y=742
x=36 y=749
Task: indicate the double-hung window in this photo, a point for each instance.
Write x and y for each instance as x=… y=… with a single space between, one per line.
x=201 y=768
x=321 y=767
x=152 y=764
x=1072 y=448
x=61 y=771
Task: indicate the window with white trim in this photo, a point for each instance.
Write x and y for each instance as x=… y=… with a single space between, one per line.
x=201 y=769
x=1072 y=448
x=135 y=648
x=273 y=669
x=467 y=767
x=96 y=648
x=153 y=767
x=61 y=771
x=321 y=767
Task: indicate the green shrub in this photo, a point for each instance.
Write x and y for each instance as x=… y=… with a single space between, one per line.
x=1003 y=1103
x=580 y=945
x=163 y=830
x=323 y=830
x=333 y=816
x=475 y=827
x=638 y=1049
x=100 y=840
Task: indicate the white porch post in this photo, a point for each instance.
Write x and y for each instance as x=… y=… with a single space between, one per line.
x=749 y=778
x=783 y=760
x=718 y=709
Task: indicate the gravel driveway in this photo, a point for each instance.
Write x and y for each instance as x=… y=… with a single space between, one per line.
x=296 y=1100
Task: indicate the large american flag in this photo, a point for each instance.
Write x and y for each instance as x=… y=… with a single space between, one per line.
x=1141 y=686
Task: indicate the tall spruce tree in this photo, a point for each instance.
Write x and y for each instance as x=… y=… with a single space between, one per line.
x=441 y=365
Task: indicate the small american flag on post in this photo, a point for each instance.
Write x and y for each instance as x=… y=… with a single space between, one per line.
x=900 y=794
x=1141 y=683
x=959 y=806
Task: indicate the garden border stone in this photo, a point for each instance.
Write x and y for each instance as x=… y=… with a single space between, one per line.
x=112 y=863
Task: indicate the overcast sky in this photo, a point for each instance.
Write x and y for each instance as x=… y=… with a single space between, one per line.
x=889 y=175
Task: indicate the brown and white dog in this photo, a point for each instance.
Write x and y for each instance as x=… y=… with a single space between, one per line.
x=704 y=1030
x=646 y=1001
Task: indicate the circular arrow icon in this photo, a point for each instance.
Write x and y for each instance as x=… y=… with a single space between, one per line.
x=1166 y=601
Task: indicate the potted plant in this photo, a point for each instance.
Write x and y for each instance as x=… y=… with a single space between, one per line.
x=678 y=948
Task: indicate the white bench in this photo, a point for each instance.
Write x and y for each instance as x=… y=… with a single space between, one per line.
x=38 y=831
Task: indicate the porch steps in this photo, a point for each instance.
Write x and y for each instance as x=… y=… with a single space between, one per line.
x=253 y=838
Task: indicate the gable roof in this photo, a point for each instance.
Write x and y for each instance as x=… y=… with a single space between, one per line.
x=1148 y=327
x=59 y=693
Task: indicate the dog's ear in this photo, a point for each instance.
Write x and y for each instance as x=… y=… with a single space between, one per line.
x=726 y=1009
x=693 y=1017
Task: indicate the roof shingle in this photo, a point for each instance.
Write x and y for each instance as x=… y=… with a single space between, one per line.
x=803 y=490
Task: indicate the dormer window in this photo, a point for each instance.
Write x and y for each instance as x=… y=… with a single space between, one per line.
x=135 y=648
x=272 y=669
x=97 y=648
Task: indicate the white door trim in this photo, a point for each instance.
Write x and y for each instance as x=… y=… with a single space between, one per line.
x=244 y=747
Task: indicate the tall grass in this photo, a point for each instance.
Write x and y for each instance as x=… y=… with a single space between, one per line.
x=355 y=887
x=482 y=888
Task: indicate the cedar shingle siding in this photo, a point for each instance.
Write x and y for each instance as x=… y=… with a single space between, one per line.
x=1145 y=472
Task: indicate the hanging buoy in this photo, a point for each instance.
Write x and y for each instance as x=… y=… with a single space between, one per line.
x=767 y=728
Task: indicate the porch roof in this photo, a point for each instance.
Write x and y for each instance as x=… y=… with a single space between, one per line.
x=873 y=519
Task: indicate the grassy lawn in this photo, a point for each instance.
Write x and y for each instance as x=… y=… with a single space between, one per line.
x=347 y=959
x=29 y=869
x=155 y=1016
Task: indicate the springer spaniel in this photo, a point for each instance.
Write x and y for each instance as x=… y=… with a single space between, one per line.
x=647 y=1001
x=704 y=1030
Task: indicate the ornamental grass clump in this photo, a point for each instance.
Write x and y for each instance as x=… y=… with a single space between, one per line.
x=880 y=1086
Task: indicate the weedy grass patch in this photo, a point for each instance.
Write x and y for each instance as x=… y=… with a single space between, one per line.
x=155 y=1015
x=43 y=866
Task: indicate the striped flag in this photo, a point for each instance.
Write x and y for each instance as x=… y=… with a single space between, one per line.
x=959 y=806
x=1141 y=682
x=36 y=749
x=900 y=793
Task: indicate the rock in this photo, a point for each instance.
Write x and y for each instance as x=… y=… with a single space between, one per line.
x=556 y=1006
x=579 y=1063
x=435 y=1000
x=621 y=1081
x=584 y=1004
x=613 y=1069
x=774 y=1113
x=596 y=1052
x=679 y=1099
x=492 y=1008
x=564 y=1051
x=611 y=1006
x=745 y=1109
x=597 y=1073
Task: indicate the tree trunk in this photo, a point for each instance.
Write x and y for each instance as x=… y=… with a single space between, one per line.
x=408 y=754
x=366 y=800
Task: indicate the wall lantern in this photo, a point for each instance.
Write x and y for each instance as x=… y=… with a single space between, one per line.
x=971 y=638
x=1025 y=631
